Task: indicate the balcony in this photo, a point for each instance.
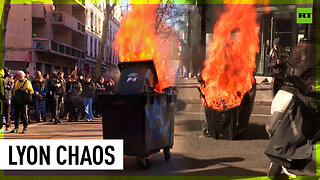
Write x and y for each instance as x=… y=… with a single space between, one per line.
x=46 y=45
x=39 y=13
x=68 y=21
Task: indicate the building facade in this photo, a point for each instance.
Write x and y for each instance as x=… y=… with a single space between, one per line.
x=55 y=37
x=45 y=37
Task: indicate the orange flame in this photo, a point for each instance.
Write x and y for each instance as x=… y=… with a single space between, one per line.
x=136 y=40
x=228 y=74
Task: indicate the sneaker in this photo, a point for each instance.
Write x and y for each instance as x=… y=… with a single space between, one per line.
x=87 y=120
x=24 y=131
x=59 y=121
x=15 y=130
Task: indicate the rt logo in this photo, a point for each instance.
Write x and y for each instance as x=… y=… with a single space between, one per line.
x=304 y=15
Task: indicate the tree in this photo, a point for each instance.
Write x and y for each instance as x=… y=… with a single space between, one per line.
x=168 y=16
x=103 y=40
x=3 y=30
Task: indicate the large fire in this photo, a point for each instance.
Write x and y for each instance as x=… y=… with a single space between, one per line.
x=228 y=73
x=137 y=40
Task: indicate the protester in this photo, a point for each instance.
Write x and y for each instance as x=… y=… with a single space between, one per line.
x=110 y=86
x=74 y=90
x=278 y=66
x=57 y=93
x=100 y=89
x=40 y=91
x=21 y=97
x=64 y=94
x=88 y=94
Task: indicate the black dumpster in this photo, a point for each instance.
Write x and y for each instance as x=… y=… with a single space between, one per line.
x=228 y=124
x=138 y=114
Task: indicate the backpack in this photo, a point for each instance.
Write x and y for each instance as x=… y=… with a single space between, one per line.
x=22 y=96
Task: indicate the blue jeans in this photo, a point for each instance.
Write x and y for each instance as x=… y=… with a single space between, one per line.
x=41 y=109
x=88 y=108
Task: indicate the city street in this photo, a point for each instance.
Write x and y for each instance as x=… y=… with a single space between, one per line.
x=192 y=153
x=211 y=66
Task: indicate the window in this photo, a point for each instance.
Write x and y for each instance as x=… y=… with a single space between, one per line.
x=48 y=68
x=95 y=23
x=91 y=19
x=39 y=67
x=95 y=47
x=107 y=52
x=110 y=54
x=98 y=48
x=65 y=70
x=57 y=68
x=99 y=26
x=112 y=57
x=91 y=46
x=87 y=44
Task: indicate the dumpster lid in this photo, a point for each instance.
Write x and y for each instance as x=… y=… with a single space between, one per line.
x=137 y=77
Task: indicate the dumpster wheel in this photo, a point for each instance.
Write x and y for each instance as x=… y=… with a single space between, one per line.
x=167 y=154
x=143 y=162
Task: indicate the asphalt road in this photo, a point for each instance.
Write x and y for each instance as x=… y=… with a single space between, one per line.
x=192 y=155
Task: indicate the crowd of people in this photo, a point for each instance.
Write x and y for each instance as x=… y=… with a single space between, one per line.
x=72 y=97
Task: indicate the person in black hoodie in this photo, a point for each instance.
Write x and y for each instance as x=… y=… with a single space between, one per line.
x=74 y=90
x=57 y=93
x=88 y=95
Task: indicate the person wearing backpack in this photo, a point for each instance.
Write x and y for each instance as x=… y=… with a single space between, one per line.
x=22 y=92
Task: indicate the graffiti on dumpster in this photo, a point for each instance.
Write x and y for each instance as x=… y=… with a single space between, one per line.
x=132 y=77
x=157 y=124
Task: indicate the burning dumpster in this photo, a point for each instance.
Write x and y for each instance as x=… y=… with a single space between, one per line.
x=227 y=124
x=227 y=82
x=138 y=114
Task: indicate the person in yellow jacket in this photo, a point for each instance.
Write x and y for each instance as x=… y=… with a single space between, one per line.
x=22 y=92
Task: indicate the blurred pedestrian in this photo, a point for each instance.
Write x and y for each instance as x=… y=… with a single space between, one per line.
x=74 y=90
x=57 y=93
x=41 y=91
x=88 y=94
x=100 y=89
x=110 y=86
x=8 y=85
x=64 y=94
x=278 y=66
x=20 y=99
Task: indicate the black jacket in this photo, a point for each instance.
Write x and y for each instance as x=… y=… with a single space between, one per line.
x=54 y=86
x=89 y=89
x=100 y=88
x=74 y=88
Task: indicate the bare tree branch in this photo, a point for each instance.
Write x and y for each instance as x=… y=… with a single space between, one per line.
x=105 y=32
